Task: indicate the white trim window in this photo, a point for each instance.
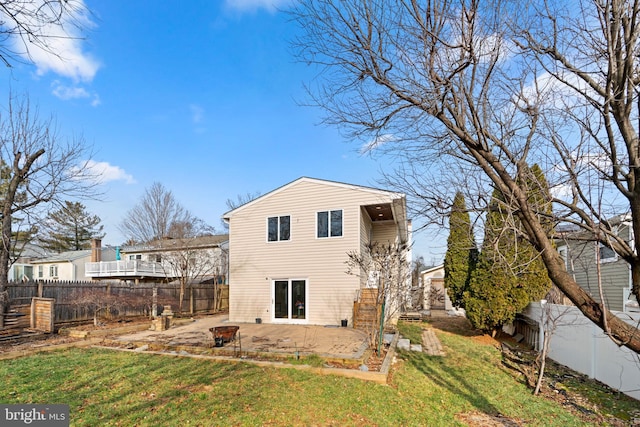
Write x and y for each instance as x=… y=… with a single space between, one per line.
x=53 y=271
x=278 y=228
x=606 y=254
x=329 y=224
x=40 y=272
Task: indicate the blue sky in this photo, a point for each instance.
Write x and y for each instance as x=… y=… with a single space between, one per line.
x=201 y=96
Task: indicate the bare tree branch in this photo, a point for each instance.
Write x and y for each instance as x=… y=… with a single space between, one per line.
x=488 y=88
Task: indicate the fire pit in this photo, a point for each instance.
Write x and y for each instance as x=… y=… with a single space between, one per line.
x=223 y=334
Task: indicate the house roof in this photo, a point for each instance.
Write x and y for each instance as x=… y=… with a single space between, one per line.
x=432 y=269
x=30 y=251
x=67 y=256
x=576 y=232
x=70 y=256
x=392 y=194
x=202 y=242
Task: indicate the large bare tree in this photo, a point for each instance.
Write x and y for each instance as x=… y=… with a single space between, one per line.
x=174 y=233
x=475 y=86
x=157 y=216
x=39 y=167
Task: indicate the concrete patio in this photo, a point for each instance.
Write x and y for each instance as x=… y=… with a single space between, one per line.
x=326 y=341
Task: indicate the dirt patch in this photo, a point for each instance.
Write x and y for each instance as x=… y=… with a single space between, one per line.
x=35 y=342
x=375 y=361
x=111 y=324
x=455 y=324
x=480 y=419
x=461 y=326
x=30 y=340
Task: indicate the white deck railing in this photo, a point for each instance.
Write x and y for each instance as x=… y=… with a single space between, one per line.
x=124 y=268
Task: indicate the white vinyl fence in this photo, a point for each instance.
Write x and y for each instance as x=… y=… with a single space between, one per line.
x=583 y=347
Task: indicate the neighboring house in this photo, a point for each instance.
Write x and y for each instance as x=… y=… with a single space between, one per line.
x=288 y=249
x=435 y=294
x=70 y=265
x=582 y=257
x=21 y=268
x=199 y=258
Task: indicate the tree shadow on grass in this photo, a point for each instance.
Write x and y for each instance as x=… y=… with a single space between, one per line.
x=451 y=379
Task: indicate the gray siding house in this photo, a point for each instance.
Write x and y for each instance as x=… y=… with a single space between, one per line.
x=583 y=258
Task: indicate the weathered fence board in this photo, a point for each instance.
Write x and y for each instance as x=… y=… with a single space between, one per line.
x=18 y=317
x=79 y=301
x=42 y=314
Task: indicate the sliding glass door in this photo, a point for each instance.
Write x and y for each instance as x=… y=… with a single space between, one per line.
x=290 y=299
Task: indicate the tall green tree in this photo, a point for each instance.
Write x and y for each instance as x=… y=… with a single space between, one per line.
x=461 y=256
x=510 y=272
x=493 y=293
x=70 y=228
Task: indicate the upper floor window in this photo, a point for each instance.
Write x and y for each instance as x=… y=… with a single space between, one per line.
x=135 y=257
x=607 y=254
x=330 y=223
x=278 y=228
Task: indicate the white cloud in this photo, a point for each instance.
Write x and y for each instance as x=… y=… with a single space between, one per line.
x=546 y=89
x=64 y=45
x=562 y=191
x=66 y=92
x=103 y=172
x=376 y=143
x=252 y=5
x=73 y=92
x=486 y=48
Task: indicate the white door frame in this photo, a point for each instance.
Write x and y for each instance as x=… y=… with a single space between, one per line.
x=289 y=319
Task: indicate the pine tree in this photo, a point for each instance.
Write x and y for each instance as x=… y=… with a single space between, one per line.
x=70 y=228
x=510 y=273
x=460 y=259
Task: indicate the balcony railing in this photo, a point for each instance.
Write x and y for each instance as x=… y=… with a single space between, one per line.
x=132 y=268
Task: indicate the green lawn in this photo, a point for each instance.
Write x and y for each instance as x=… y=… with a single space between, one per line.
x=109 y=388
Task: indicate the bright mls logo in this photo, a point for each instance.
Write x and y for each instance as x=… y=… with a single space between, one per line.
x=34 y=415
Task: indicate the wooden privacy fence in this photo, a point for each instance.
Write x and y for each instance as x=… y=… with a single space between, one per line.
x=78 y=301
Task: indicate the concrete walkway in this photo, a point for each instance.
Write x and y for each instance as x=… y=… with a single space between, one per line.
x=431 y=344
x=326 y=341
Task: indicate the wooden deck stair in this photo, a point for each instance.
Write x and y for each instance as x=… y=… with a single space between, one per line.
x=365 y=311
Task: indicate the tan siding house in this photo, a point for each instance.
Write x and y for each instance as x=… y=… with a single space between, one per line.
x=288 y=248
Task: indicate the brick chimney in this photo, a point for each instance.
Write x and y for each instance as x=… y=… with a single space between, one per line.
x=96 y=248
